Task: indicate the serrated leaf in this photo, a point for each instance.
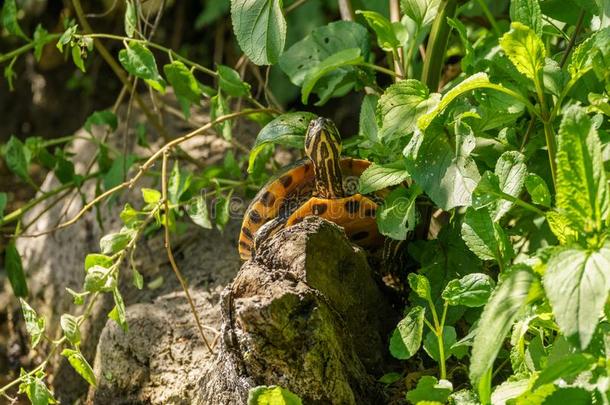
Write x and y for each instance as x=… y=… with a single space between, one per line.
x=538 y=190
x=16 y=157
x=406 y=338
x=511 y=171
x=524 y=49
x=131 y=18
x=565 y=368
x=582 y=190
x=472 y=290
x=377 y=177
x=577 y=283
x=386 y=37
x=34 y=324
x=101 y=118
x=14 y=270
x=581 y=60
x=528 y=13
x=484 y=237
x=80 y=365
x=401 y=105
x=420 y=286
x=69 y=324
x=288 y=129
x=114 y=242
x=430 y=389
x=420 y=11
x=184 y=84
x=507 y=300
x=397 y=216
x=140 y=62
x=431 y=343
x=272 y=395
x=230 y=82
x=260 y=28
x=9 y=19
x=198 y=211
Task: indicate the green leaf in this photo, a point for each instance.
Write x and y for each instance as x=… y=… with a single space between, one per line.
x=528 y=13
x=9 y=74
x=178 y=183
x=67 y=37
x=406 y=338
x=9 y=19
x=34 y=324
x=524 y=49
x=367 y=127
x=397 y=216
x=140 y=62
x=420 y=285
x=511 y=171
x=484 y=237
x=444 y=169
x=3 y=201
x=151 y=196
x=118 y=171
x=35 y=389
x=472 y=290
x=14 y=270
x=80 y=364
x=582 y=190
x=219 y=106
x=401 y=105
x=221 y=209
x=507 y=300
x=198 y=211
x=390 y=378
x=77 y=58
x=41 y=38
x=118 y=313
x=15 y=155
x=581 y=60
x=69 y=324
x=96 y=259
x=471 y=83
x=98 y=279
x=468 y=58
x=184 y=84
x=577 y=283
x=102 y=118
x=377 y=177
x=420 y=11
x=346 y=57
x=538 y=190
x=565 y=368
x=431 y=343
x=230 y=82
x=77 y=298
x=288 y=129
x=429 y=389
x=114 y=242
x=131 y=18
x=386 y=38
x=272 y=395
x=260 y=28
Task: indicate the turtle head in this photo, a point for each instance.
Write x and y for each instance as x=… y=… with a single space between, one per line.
x=323 y=147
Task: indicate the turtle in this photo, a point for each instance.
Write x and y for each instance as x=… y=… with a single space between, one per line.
x=323 y=185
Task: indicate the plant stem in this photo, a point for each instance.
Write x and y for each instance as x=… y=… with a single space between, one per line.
x=294 y=6
x=570 y=45
x=437 y=44
x=22 y=49
x=346 y=10
x=490 y=17
x=380 y=69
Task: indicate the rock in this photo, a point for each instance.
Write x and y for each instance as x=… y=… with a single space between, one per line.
x=306 y=314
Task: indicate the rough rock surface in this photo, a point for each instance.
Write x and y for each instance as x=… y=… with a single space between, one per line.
x=305 y=313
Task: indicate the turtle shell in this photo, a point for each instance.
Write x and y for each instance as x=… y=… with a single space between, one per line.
x=288 y=198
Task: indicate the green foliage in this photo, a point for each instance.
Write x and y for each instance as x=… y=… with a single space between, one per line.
x=272 y=395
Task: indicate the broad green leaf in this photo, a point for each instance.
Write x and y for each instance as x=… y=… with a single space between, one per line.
x=509 y=390
x=131 y=18
x=386 y=38
x=150 y=195
x=9 y=19
x=96 y=259
x=507 y=300
x=420 y=286
x=34 y=324
x=367 y=127
x=400 y=106
x=98 y=279
x=397 y=216
x=272 y=395
x=80 y=364
x=581 y=60
x=230 y=82
x=420 y=11
x=406 y=338
x=484 y=237
x=77 y=58
x=69 y=324
x=431 y=343
x=118 y=313
x=35 y=389
x=511 y=171
x=582 y=190
x=198 y=211
x=538 y=190
x=14 y=270
x=130 y=216
x=565 y=368
x=338 y=60
x=41 y=38
x=288 y=129
x=444 y=169
x=260 y=28
x=184 y=84
x=377 y=177
x=577 y=282
x=178 y=184
x=430 y=390
x=16 y=157
x=3 y=201
x=114 y=242
x=561 y=227
x=524 y=49
x=140 y=62
x=101 y=118
x=528 y=13
x=472 y=290
x=471 y=83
